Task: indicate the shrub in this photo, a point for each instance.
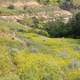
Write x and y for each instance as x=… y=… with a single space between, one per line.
x=41 y=32
x=56 y=28
x=11 y=6
x=74 y=24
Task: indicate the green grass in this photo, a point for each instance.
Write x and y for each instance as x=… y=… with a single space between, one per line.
x=51 y=58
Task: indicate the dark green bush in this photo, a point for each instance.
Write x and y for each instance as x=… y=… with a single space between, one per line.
x=74 y=24
x=56 y=28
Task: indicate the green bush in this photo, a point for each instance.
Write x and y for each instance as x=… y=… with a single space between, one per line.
x=74 y=24
x=56 y=28
x=41 y=32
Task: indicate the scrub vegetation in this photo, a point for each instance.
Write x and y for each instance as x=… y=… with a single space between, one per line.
x=37 y=44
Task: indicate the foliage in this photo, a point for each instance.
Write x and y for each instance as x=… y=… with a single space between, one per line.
x=75 y=25
x=56 y=28
x=11 y=6
x=53 y=2
x=10 y=11
x=53 y=59
x=28 y=53
x=37 y=67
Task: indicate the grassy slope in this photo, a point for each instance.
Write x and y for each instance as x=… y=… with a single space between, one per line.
x=29 y=56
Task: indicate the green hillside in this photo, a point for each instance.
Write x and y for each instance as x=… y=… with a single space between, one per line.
x=29 y=56
x=34 y=46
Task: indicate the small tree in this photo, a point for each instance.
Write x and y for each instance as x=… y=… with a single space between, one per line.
x=75 y=24
x=56 y=28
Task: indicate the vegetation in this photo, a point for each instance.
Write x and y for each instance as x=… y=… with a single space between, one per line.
x=36 y=46
x=53 y=2
x=56 y=28
x=75 y=30
x=31 y=56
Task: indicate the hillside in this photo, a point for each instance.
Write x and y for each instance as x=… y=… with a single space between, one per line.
x=26 y=54
x=29 y=51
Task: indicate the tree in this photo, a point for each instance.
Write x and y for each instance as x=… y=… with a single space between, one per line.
x=74 y=25
x=56 y=28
